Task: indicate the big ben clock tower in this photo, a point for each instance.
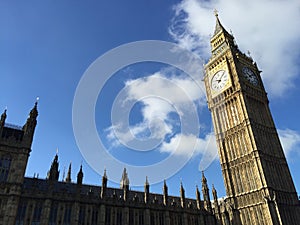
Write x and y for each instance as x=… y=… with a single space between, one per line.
x=258 y=183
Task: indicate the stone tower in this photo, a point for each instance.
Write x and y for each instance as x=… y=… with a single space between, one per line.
x=258 y=183
x=15 y=146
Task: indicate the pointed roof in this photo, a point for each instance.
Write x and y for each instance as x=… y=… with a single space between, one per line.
x=218 y=26
x=3 y=118
x=3 y=115
x=182 y=191
x=124 y=180
x=146 y=182
x=53 y=173
x=68 y=178
x=204 y=181
x=80 y=175
x=34 y=112
x=165 y=187
x=104 y=174
x=198 y=197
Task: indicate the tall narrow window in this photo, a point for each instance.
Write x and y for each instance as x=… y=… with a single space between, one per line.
x=81 y=215
x=107 y=215
x=141 y=217
x=161 y=218
x=21 y=213
x=67 y=214
x=37 y=213
x=94 y=216
x=152 y=219
x=5 y=162
x=119 y=217
x=53 y=213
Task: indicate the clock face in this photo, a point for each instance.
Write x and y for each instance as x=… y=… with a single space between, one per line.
x=219 y=80
x=250 y=75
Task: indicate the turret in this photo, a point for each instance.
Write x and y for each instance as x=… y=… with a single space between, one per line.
x=68 y=178
x=53 y=173
x=30 y=124
x=2 y=121
x=3 y=118
x=146 y=191
x=216 y=203
x=80 y=176
x=198 y=198
x=165 y=193
x=205 y=192
x=125 y=184
x=104 y=185
x=124 y=180
x=182 y=195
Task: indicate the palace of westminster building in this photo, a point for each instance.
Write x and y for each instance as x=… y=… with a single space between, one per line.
x=258 y=183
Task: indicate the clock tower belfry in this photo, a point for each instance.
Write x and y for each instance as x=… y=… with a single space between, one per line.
x=258 y=183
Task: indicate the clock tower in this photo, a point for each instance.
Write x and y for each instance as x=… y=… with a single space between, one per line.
x=258 y=183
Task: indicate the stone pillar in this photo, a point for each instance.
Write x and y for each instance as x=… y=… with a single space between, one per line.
x=167 y=218
x=75 y=213
x=126 y=216
x=102 y=215
x=185 y=220
x=46 y=212
x=147 y=217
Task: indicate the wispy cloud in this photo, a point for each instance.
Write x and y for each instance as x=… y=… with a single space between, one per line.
x=269 y=29
x=290 y=141
x=160 y=95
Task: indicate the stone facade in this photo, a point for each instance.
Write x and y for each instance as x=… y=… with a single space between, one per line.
x=257 y=179
x=52 y=202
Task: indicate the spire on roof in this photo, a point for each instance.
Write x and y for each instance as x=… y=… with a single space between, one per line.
x=124 y=180
x=80 y=176
x=53 y=173
x=68 y=178
x=165 y=193
x=146 y=190
x=3 y=118
x=104 y=185
x=31 y=122
x=219 y=27
x=198 y=197
x=182 y=195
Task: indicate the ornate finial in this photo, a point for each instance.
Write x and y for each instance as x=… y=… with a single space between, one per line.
x=3 y=116
x=216 y=12
x=249 y=53
x=203 y=178
x=104 y=175
x=124 y=180
x=68 y=178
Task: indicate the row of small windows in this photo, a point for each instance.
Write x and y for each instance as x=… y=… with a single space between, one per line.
x=219 y=41
x=220 y=60
x=30 y=212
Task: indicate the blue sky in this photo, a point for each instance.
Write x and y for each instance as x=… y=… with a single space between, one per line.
x=46 y=47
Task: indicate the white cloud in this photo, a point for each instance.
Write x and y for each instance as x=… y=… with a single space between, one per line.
x=290 y=141
x=182 y=144
x=269 y=29
x=161 y=94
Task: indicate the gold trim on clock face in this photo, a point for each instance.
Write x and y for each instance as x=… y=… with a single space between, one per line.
x=219 y=80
